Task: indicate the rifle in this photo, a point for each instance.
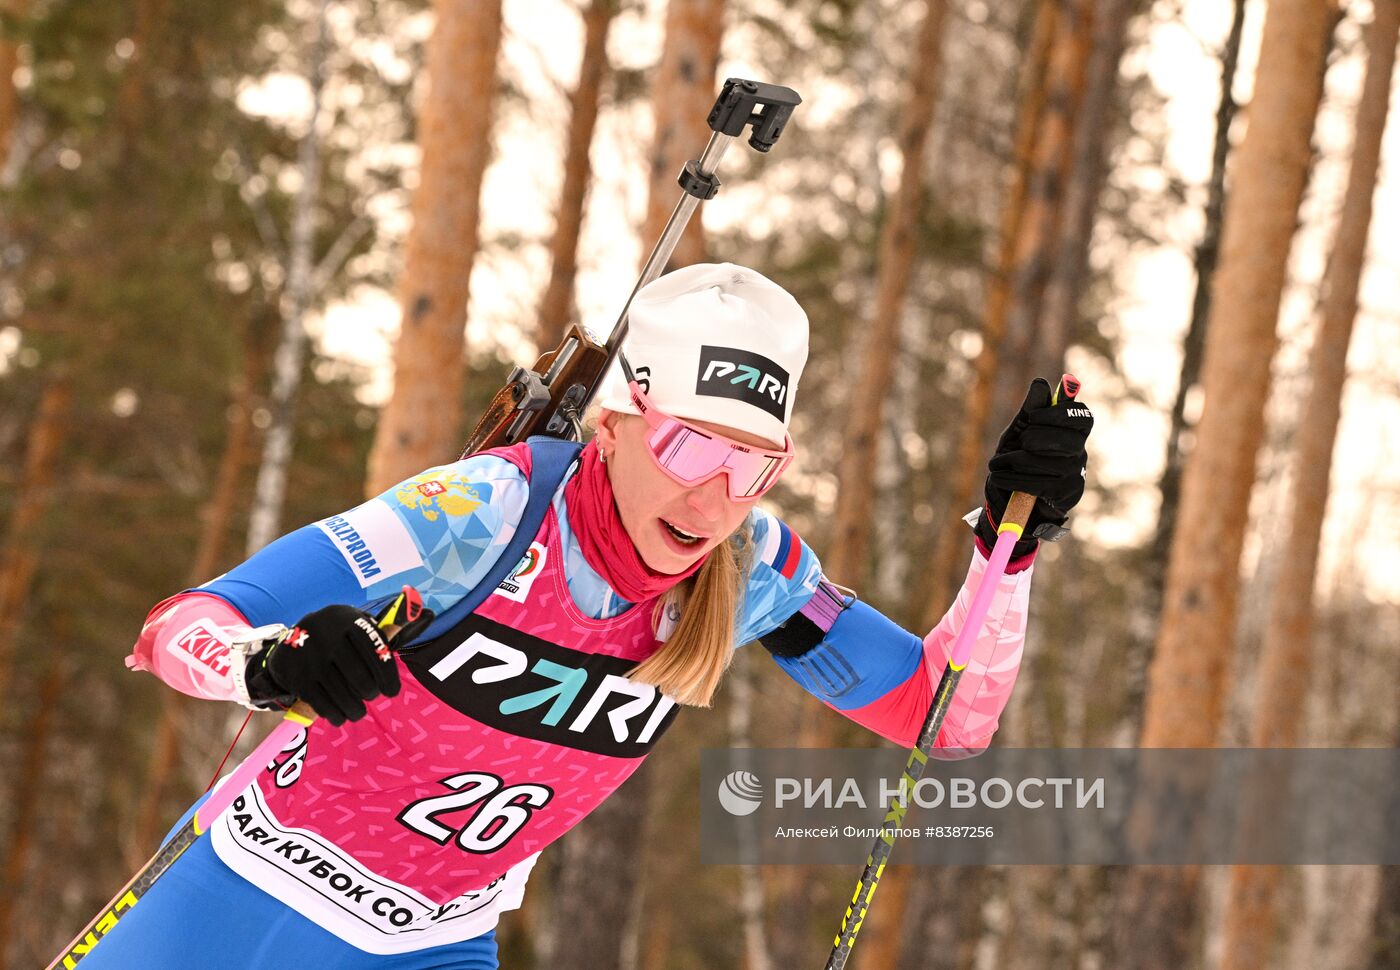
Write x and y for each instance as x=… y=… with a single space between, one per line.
x=551 y=397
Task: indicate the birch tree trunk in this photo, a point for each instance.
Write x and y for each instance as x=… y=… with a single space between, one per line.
x=1286 y=660
x=846 y=560
x=951 y=551
x=682 y=93
x=289 y=359
x=1190 y=669
x=556 y=307
x=420 y=426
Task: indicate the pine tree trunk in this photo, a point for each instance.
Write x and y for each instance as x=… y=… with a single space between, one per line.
x=607 y=848
x=944 y=920
x=19 y=553
x=880 y=936
x=1035 y=244
x=270 y=490
x=1190 y=669
x=1385 y=949
x=556 y=307
x=1285 y=662
x=176 y=708
x=846 y=558
x=1385 y=936
x=1206 y=256
x=9 y=95
x=26 y=802
x=151 y=22
x=682 y=93
x=420 y=426
x=951 y=550
x=658 y=948
x=1060 y=313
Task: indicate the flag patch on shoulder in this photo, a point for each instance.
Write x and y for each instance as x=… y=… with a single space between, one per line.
x=782 y=548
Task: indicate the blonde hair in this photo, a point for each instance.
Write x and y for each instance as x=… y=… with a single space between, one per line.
x=691 y=662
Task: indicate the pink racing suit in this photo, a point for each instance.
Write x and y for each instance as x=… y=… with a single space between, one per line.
x=418 y=825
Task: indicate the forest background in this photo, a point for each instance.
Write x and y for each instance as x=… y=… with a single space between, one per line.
x=213 y=217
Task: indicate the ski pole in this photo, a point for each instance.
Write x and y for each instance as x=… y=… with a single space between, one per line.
x=1013 y=522
x=407 y=606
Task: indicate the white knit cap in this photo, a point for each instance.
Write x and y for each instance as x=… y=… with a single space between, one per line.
x=714 y=342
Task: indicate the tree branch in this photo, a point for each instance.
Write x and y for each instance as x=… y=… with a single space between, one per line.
x=338 y=253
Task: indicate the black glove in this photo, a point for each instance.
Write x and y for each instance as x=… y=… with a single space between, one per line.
x=334 y=659
x=1040 y=452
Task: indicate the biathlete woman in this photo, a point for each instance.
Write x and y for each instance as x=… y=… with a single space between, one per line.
x=403 y=822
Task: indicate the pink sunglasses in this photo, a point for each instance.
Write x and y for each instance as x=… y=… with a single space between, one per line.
x=692 y=455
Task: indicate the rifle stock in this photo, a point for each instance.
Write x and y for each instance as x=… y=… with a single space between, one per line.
x=564 y=380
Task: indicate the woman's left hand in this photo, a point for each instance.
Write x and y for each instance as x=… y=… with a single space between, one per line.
x=1040 y=452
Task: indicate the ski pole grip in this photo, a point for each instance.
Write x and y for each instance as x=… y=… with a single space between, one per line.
x=1018 y=513
x=1068 y=387
x=301 y=712
x=401 y=611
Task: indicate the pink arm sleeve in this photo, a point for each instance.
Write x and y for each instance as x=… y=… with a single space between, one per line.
x=185 y=643
x=990 y=674
x=898 y=714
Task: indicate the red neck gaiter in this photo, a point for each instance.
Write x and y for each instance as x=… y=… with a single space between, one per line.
x=604 y=540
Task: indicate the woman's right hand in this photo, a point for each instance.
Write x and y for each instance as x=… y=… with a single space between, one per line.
x=334 y=659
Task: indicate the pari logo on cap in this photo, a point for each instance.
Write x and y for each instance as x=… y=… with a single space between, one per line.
x=744 y=376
